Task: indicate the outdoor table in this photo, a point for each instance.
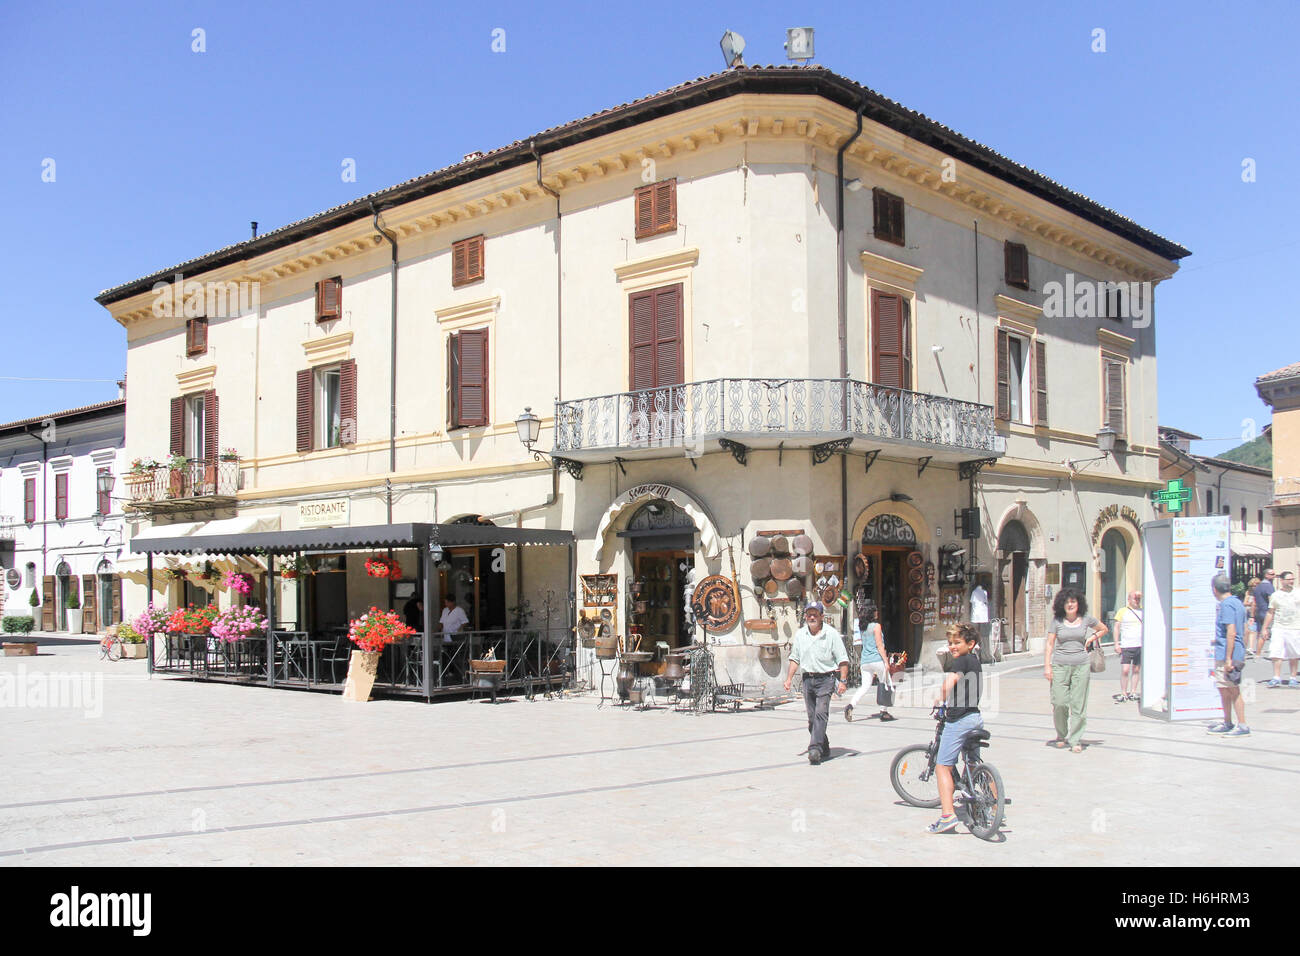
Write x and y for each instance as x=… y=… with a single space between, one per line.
x=292 y=643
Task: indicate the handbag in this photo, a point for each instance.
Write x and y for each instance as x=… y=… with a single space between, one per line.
x=884 y=695
x=1096 y=659
x=897 y=662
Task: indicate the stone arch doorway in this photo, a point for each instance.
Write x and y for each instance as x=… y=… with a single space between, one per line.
x=1112 y=569
x=1011 y=583
x=64 y=584
x=887 y=580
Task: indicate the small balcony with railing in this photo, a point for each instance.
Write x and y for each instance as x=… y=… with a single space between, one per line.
x=182 y=484
x=743 y=413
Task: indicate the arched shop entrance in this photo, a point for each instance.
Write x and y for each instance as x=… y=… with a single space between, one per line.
x=1113 y=558
x=1013 y=570
x=891 y=578
x=66 y=584
x=660 y=537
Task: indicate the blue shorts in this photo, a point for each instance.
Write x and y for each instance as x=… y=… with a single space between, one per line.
x=954 y=733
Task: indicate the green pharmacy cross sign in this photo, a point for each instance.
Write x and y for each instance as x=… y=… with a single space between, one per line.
x=1173 y=496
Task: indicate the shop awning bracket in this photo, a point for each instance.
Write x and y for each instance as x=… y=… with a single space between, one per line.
x=738 y=451
x=924 y=462
x=574 y=468
x=870 y=460
x=969 y=469
x=826 y=450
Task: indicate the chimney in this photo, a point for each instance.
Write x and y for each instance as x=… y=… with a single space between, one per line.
x=254 y=225
x=121 y=387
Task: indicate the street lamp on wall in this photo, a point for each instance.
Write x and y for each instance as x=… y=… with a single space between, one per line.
x=1106 y=437
x=529 y=427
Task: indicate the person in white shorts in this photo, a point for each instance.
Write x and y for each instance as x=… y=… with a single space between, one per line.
x=1282 y=629
x=874 y=661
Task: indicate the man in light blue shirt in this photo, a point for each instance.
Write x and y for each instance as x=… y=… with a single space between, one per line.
x=1229 y=657
x=818 y=650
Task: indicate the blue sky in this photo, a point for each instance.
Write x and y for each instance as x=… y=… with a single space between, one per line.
x=162 y=153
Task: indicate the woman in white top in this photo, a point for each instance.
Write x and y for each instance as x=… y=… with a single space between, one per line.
x=874 y=661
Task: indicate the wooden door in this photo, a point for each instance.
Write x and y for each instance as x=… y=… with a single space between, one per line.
x=47 y=603
x=89 y=603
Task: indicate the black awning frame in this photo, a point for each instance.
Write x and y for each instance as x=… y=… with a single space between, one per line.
x=362 y=538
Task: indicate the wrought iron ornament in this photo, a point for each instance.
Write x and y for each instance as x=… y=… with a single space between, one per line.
x=715 y=604
x=888 y=529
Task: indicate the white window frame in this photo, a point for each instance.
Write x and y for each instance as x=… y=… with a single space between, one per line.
x=195 y=427
x=1026 y=396
x=321 y=378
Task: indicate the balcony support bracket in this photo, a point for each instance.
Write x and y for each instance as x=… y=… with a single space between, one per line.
x=619 y=461
x=780 y=453
x=738 y=451
x=826 y=450
x=870 y=460
x=924 y=462
x=574 y=468
x=969 y=469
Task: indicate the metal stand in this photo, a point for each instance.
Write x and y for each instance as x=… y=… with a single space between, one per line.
x=608 y=667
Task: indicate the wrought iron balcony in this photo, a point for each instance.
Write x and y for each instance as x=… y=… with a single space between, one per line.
x=198 y=483
x=8 y=527
x=764 y=412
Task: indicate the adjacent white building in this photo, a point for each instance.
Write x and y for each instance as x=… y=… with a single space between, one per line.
x=59 y=533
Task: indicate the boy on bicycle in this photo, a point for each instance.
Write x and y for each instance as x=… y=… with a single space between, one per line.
x=960 y=696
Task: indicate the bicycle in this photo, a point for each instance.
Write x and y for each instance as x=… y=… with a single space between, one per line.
x=110 y=646
x=978 y=786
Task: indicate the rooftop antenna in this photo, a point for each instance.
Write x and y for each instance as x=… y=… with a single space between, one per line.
x=733 y=45
x=799 y=44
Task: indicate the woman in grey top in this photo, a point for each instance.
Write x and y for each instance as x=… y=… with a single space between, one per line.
x=1066 y=665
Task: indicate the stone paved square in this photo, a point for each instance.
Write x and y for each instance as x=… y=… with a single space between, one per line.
x=178 y=773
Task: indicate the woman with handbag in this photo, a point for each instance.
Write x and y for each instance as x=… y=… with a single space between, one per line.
x=874 y=657
x=1069 y=665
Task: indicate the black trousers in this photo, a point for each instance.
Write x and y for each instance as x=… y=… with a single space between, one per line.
x=817 y=690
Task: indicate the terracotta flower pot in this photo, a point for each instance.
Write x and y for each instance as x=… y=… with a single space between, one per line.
x=362 y=669
x=20 y=648
x=135 y=651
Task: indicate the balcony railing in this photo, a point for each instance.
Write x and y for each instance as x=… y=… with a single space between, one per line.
x=197 y=479
x=681 y=415
x=8 y=527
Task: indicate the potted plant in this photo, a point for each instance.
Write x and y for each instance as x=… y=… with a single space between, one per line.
x=239 y=582
x=150 y=622
x=239 y=623
x=73 y=607
x=176 y=483
x=133 y=642
x=381 y=567
x=229 y=454
x=296 y=568
x=19 y=628
x=140 y=475
x=371 y=633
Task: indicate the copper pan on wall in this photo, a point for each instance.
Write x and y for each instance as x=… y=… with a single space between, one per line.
x=782 y=569
x=760 y=569
x=794 y=589
x=781 y=545
x=759 y=547
x=771 y=587
x=802 y=544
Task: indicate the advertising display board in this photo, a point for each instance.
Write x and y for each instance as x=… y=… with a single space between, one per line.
x=1180 y=558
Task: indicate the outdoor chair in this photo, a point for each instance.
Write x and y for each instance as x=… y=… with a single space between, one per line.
x=337 y=657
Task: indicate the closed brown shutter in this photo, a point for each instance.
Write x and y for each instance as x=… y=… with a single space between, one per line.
x=1004 y=376
x=645 y=211
x=892 y=340
x=641 y=319
x=458 y=263
x=29 y=500
x=329 y=299
x=196 y=336
x=1040 y=382
x=348 y=402
x=1016 y=261
x=305 y=411
x=665 y=205
x=60 y=497
x=470 y=364
x=178 y=426
x=453 y=378
x=1115 y=397
x=887 y=216
x=47 y=603
x=89 y=603
x=117 y=599
x=467 y=261
x=655 y=338
x=211 y=446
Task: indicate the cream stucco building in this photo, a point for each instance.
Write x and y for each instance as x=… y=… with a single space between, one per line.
x=716 y=355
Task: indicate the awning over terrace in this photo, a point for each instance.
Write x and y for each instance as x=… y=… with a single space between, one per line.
x=345 y=539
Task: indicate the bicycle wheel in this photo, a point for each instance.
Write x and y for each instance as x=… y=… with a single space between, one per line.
x=913 y=777
x=986 y=807
x=114 y=650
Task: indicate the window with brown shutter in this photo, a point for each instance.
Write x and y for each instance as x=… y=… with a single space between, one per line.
x=656 y=356
x=467 y=261
x=1115 y=407
x=305 y=418
x=103 y=499
x=1040 y=382
x=656 y=208
x=887 y=216
x=891 y=340
x=348 y=402
x=196 y=336
x=29 y=500
x=1004 y=376
x=467 y=378
x=329 y=299
x=61 y=497
x=1016 y=259
x=211 y=444
x=178 y=426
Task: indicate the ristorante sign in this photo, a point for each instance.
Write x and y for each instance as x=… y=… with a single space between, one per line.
x=327 y=513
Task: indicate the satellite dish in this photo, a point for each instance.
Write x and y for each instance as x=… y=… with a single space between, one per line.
x=733 y=45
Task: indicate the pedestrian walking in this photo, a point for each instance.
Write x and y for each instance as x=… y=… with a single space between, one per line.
x=1262 y=593
x=874 y=661
x=818 y=650
x=1229 y=657
x=1128 y=628
x=960 y=696
x=1066 y=665
x=1282 y=630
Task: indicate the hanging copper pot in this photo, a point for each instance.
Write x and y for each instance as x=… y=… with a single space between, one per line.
x=759 y=547
x=802 y=544
x=673 y=670
x=794 y=589
x=780 y=545
x=760 y=569
x=771 y=587
x=782 y=569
